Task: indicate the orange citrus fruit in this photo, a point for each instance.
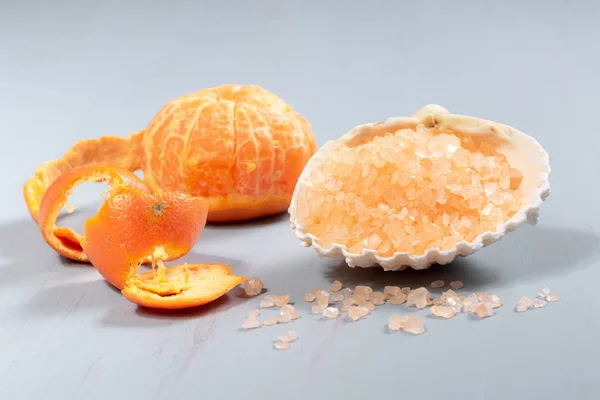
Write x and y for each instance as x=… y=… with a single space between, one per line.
x=240 y=147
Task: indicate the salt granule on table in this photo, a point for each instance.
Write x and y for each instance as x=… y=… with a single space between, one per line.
x=253 y=286
x=331 y=312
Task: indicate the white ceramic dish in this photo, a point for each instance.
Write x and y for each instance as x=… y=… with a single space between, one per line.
x=522 y=152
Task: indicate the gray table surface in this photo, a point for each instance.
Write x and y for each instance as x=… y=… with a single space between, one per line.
x=69 y=72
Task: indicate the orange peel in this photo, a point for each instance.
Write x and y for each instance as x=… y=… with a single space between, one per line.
x=133 y=227
x=64 y=240
x=181 y=286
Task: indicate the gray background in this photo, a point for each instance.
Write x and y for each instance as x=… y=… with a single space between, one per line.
x=69 y=72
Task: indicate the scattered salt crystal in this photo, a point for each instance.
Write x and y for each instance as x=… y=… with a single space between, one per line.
x=436 y=301
x=336 y=286
x=322 y=297
x=396 y=322
x=367 y=304
x=331 y=312
x=253 y=286
x=347 y=291
x=391 y=291
x=414 y=325
x=553 y=297
x=335 y=298
x=437 y=284
x=456 y=285
x=267 y=301
x=543 y=293
x=443 y=311
x=290 y=310
x=280 y=345
x=483 y=297
x=483 y=310
x=377 y=298
x=283 y=319
x=524 y=303
x=271 y=321
x=356 y=312
x=364 y=291
x=405 y=290
x=281 y=300
x=495 y=301
x=418 y=297
x=398 y=299
x=288 y=336
x=318 y=308
x=251 y=322
x=309 y=297
x=349 y=301
x=539 y=303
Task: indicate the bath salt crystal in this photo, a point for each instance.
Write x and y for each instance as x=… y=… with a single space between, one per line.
x=288 y=336
x=368 y=305
x=347 y=291
x=253 y=286
x=322 y=298
x=405 y=290
x=543 y=293
x=443 y=311
x=553 y=297
x=418 y=297
x=364 y=291
x=483 y=297
x=414 y=325
x=539 y=303
x=331 y=312
x=309 y=297
x=437 y=284
x=524 y=303
x=283 y=319
x=251 y=322
x=483 y=310
x=281 y=300
x=391 y=291
x=356 y=312
x=271 y=321
x=396 y=322
x=280 y=345
x=377 y=298
x=336 y=298
x=267 y=302
x=254 y=313
x=349 y=301
x=290 y=310
x=436 y=301
x=456 y=285
x=336 y=286
x=398 y=299
x=495 y=301
x=318 y=308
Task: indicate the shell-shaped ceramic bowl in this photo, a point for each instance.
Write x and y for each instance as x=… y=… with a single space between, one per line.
x=522 y=152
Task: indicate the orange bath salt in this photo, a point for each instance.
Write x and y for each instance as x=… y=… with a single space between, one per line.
x=409 y=191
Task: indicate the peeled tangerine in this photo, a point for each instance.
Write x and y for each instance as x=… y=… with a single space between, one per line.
x=133 y=227
x=239 y=147
x=420 y=190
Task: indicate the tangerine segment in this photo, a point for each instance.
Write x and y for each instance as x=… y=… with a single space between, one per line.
x=133 y=227
x=409 y=191
x=239 y=146
x=181 y=286
x=64 y=240
x=121 y=152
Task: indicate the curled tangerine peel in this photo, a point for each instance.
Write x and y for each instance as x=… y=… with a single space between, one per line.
x=64 y=240
x=120 y=152
x=182 y=286
x=134 y=227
